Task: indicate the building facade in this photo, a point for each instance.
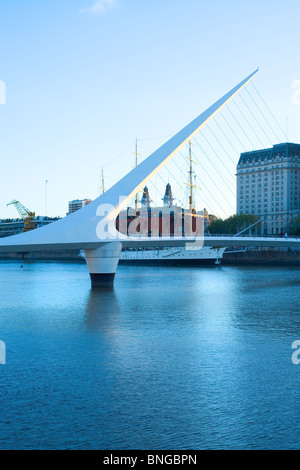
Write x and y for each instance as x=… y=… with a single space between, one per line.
x=165 y=221
x=268 y=185
x=77 y=204
x=10 y=227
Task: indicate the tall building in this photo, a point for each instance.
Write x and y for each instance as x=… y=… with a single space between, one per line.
x=77 y=204
x=268 y=185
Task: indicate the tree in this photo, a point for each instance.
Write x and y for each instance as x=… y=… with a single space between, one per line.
x=233 y=224
x=294 y=226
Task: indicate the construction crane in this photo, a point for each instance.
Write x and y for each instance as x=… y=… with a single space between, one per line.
x=25 y=214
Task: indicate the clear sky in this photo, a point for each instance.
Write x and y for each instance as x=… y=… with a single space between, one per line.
x=85 y=78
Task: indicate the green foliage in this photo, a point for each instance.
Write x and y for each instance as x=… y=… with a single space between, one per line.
x=233 y=224
x=294 y=226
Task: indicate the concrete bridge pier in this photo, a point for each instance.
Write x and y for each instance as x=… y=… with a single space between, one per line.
x=102 y=264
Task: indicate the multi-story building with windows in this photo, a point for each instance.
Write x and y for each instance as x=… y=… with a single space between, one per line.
x=268 y=185
x=77 y=204
x=10 y=227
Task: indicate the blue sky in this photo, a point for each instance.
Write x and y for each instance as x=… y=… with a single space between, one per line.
x=84 y=79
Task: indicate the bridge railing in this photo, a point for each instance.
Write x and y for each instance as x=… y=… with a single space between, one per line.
x=232 y=235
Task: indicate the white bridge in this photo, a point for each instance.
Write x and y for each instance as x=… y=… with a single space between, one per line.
x=93 y=230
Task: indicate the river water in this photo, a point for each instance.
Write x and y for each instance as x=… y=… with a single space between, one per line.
x=172 y=358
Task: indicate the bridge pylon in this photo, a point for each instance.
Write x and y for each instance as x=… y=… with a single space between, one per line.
x=102 y=264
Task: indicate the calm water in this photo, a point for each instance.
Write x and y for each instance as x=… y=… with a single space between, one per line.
x=171 y=359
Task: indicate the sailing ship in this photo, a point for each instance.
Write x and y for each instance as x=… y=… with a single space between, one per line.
x=205 y=256
x=166 y=221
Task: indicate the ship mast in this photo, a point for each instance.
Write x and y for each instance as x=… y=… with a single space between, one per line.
x=103 y=187
x=191 y=200
x=136 y=164
x=190 y=184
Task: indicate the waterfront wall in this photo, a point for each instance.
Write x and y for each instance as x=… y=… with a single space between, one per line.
x=265 y=257
x=65 y=255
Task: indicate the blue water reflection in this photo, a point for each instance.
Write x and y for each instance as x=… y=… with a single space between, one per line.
x=170 y=359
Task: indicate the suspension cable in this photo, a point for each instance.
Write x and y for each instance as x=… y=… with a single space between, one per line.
x=276 y=135
x=258 y=138
x=256 y=119
x=269 y=110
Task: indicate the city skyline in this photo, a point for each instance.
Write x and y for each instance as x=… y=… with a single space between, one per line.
x=84 y=98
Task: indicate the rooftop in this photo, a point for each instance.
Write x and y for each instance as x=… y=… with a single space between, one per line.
x=282 y=150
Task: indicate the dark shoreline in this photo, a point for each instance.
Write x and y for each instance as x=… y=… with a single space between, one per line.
x=65 y=255
x=270 y=257
x=263 y=257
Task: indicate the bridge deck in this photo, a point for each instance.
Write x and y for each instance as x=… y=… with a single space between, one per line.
x=153 y=242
